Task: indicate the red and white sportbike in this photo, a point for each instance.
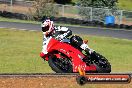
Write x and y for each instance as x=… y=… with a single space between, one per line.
x=66 y=57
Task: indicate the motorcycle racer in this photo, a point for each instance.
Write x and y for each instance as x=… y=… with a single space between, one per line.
x=49 y=29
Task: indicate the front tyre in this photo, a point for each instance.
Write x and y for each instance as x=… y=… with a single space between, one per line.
x=60 y=65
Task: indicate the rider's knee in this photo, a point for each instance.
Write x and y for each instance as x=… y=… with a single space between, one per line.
x=41 y=54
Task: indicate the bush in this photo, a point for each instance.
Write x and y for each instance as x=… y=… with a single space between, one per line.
x=44 y=8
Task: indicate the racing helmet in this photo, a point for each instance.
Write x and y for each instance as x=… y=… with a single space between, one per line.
x=45 y=25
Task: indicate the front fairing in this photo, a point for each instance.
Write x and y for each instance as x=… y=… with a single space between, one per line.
x=74 y=54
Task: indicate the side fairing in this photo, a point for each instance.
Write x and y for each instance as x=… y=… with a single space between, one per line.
x=74 y=54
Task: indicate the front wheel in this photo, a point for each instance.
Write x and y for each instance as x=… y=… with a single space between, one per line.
x=60 y=65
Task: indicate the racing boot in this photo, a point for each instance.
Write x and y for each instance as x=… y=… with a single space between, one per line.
x=86 y=48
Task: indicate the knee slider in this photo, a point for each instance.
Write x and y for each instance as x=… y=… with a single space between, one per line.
x=41 y=54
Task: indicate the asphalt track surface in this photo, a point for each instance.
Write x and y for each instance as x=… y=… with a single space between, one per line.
x=105 y=32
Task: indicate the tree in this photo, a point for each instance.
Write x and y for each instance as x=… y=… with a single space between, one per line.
x=98 y=3
x=44 y=8
x=97 y=13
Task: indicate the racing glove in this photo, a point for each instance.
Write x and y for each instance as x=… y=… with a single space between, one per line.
x=61 y=36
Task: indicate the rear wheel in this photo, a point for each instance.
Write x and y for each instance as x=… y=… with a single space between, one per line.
x=60 y=65
x=101 y=63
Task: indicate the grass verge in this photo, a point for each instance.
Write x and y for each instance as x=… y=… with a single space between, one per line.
x=3 y=19
x=17 y=20
x=19 y=52
x=34 y=22
x=125 y=4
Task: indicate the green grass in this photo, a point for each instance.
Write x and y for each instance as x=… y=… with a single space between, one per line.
x=32 y=22
x=125 y=4
x=19 y=52
x=17 y=20
x=3 y=19
x=116 y=50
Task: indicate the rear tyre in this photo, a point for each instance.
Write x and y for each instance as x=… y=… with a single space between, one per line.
x=101 y=63
x=60 y=65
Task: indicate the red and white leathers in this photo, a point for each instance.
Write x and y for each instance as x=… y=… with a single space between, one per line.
x=47 y=27
x=48 y=31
